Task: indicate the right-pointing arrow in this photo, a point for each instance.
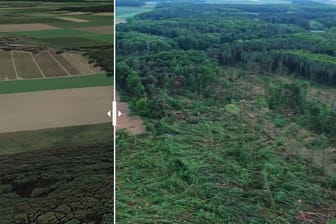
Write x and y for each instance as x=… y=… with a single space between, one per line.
x=119 y=113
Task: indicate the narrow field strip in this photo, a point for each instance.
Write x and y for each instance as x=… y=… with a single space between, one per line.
x=86 y=63
x=78 y=65
x=49 y=66
x=80 y=60
x=69 y=67
x=25 y=65
x=52 y=83
x=7 y=71
x=37 y=65
x=11 y=54
x=58 y=63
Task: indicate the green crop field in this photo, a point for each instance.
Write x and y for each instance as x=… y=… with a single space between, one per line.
x=66 y=38
x=17 y=86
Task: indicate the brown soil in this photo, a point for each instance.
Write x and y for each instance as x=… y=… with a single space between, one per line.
x=6 y=66
x=66 y=64
x=26 y=27
x=25 y=66
x=48 y=65
x=55 y=108
x=133 y=124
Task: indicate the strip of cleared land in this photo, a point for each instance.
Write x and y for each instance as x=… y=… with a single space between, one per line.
x=56 y=108
x=25 y=66
x=25 y=27
x=7 y=71
x=133 y=124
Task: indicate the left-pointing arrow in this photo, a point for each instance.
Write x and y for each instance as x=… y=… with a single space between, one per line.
x=109 y=113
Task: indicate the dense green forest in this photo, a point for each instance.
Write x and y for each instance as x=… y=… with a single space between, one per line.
x=239 y=105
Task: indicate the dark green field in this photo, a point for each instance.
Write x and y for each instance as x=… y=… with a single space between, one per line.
x=18 y=86
x=66 y=179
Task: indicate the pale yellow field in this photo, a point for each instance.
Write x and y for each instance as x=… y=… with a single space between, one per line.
x=54 y=108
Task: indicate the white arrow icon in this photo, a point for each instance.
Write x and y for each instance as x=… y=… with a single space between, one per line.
x=109 y=113
x=119 y=113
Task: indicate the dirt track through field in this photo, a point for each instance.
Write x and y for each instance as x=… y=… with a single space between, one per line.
x=54 y=108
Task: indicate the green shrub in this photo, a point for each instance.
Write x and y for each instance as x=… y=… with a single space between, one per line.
x=141 y=104
x=287 y=97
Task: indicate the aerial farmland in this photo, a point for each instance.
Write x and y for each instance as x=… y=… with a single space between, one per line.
x=55 y=89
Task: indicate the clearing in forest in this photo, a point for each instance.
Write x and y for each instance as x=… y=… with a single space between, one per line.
x=133 y=124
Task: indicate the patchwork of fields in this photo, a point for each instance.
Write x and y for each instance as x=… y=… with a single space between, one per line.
x=53 y=99
x=44 y=64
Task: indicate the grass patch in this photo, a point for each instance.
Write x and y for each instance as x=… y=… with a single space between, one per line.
x=67 y=38
x=18 y=86
x=74 y=42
